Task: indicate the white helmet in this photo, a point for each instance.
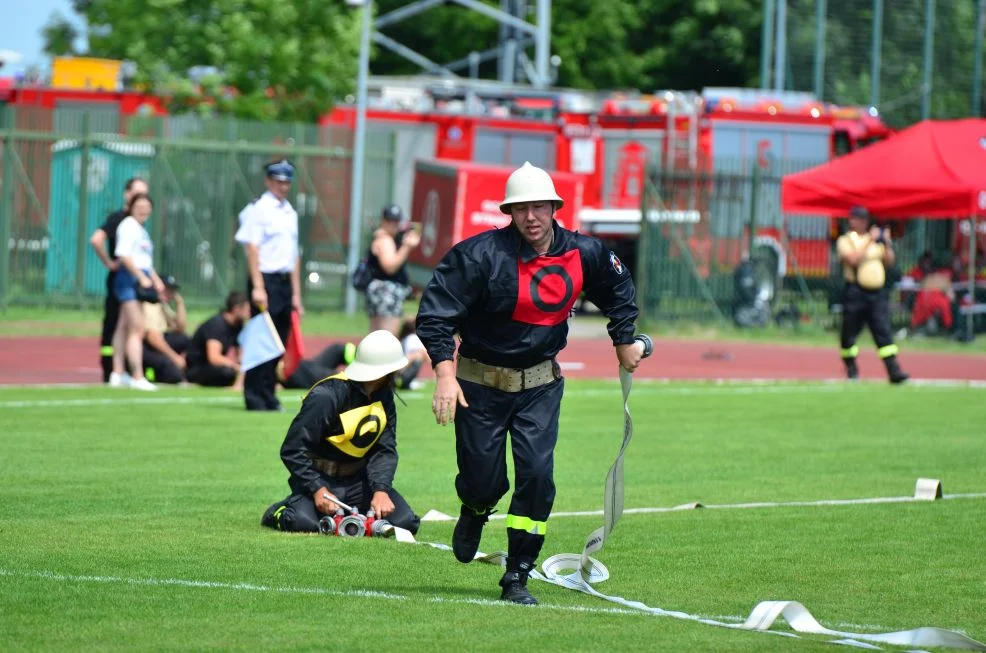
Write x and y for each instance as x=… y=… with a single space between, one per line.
x=378 y=354
x=530 y=184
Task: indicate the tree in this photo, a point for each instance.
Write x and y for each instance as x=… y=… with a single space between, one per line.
x=645 y=45
x=263 y=60
x=59 y=36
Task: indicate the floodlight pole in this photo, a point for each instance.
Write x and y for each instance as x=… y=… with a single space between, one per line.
x=359 y=158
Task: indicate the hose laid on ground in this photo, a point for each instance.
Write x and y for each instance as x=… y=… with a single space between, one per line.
x=581 y=571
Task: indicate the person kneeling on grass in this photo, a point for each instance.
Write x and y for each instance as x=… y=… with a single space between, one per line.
x=343 y=444
x=213 y=355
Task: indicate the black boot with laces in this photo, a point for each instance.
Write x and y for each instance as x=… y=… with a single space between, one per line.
x=514 y=584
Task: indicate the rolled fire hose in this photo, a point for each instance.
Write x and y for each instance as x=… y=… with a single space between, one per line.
x=581 y=571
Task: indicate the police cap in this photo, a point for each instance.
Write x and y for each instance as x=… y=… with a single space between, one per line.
x=392 y=212
x=280 y=170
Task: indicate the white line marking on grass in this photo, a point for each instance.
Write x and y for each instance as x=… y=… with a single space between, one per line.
x=645 y=386
x=321 y=591
x=372 y=594
x=767 y=504
x=759 y=504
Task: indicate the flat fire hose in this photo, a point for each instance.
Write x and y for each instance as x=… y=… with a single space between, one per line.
x=581 y=571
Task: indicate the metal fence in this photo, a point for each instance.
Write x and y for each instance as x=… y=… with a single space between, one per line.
x=63 y=171
x=913 y=59
x=716 y=247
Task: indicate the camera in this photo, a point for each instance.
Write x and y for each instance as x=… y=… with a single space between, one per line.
x=353 y=525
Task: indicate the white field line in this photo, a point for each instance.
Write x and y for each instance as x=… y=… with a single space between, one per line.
x=765 y=386
x=767 y=504
x=696 y=385
x=437 y=516
x=356 y=593
x=319 y=591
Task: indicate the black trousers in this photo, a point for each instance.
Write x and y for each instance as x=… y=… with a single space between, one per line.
x=158 y=367
x=531 y=418
x=211 y=376
x=300 y=515
x=312 y=370
x=111 y=313
x=861 y=308
x=259 y=383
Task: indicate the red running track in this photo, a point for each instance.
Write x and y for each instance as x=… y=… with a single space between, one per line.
x=43 y=360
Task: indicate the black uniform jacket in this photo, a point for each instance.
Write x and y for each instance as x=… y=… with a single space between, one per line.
x=339 y=422
x=511 y=306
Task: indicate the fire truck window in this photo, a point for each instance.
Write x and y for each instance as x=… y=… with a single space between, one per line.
x=842 y=143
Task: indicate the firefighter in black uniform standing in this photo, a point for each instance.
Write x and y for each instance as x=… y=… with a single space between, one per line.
x=269 y=234
x=865 y=251
x=343 y=444
x=103 y=241
x=509 y=293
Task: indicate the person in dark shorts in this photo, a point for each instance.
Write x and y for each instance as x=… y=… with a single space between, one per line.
x=387 y=259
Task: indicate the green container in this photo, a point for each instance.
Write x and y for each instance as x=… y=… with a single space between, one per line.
x=111 y=164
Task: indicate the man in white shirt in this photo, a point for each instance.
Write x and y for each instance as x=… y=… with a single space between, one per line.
x=269 y=235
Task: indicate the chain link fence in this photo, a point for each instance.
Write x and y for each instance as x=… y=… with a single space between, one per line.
x=64 y=170
x=715 y=247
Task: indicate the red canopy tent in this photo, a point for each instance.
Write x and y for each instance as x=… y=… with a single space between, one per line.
x=934 y=169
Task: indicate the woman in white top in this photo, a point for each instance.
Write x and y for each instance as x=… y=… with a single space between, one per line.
x=136 y=255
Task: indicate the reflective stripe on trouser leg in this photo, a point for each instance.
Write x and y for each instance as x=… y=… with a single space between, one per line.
x=888 y=351
x=850 y=352
x=527 y=524
x=106 y=350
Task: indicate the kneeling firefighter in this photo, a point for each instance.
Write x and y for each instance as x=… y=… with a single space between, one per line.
x=343 y=444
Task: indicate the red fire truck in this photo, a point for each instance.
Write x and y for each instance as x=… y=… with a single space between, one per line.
x=702 y=142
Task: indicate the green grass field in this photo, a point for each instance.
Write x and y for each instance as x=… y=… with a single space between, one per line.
x=131 y=521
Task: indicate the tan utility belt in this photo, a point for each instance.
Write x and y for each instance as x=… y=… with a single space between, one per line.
x=507 y=379
x=336 y=467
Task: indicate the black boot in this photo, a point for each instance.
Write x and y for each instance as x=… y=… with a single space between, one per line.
x=272 y=516
x=467 y=534
x=894 y=373
x=852 y=371
x=514 y=584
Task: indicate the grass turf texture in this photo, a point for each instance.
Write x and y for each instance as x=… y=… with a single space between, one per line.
x=136 y=524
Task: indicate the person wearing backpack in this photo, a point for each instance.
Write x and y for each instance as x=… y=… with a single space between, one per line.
x=386 y=269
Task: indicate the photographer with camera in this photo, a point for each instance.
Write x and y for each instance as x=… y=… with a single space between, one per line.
x=392 y=243
x=865 y=252
x=342 y=445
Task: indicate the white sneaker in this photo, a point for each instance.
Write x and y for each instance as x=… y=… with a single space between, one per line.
x=143 y=384
x=120 y=380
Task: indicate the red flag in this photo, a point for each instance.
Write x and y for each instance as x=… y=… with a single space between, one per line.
x=294 y=348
